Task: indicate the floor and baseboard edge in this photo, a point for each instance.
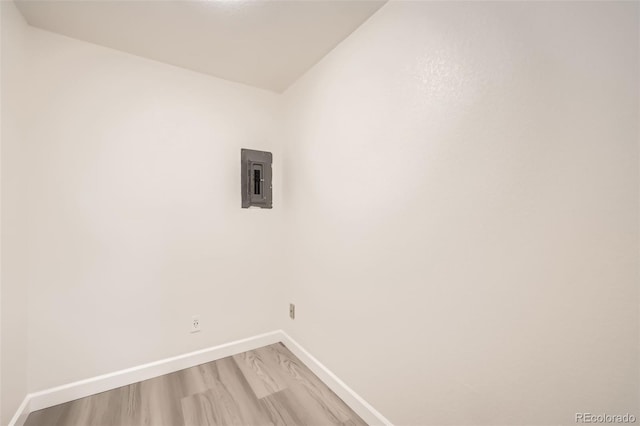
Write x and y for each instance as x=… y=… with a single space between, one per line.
x=369 y=414
x=80 y=389
x=22 y=413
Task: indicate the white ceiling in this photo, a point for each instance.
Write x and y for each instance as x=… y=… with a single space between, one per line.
x=263 y=43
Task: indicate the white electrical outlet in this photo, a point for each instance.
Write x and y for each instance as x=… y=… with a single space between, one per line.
x=195 y=324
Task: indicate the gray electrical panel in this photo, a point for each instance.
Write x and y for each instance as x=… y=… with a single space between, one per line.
x=255 y=181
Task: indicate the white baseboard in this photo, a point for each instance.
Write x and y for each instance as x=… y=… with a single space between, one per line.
x=369 y=414
x=23 y=412
x=80 y=389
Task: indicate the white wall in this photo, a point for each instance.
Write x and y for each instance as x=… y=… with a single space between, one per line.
x=460 y=211
x=13 y=288
x=134 y=217
x=461 y=184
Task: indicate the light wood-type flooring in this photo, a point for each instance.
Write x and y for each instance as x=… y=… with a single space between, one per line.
x=266 y=386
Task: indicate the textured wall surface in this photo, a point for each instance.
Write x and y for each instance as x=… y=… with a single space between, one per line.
x=13 y=286
x=455 y=211
x=461 y=181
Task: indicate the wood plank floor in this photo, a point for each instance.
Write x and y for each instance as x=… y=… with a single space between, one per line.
x=266 y=386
